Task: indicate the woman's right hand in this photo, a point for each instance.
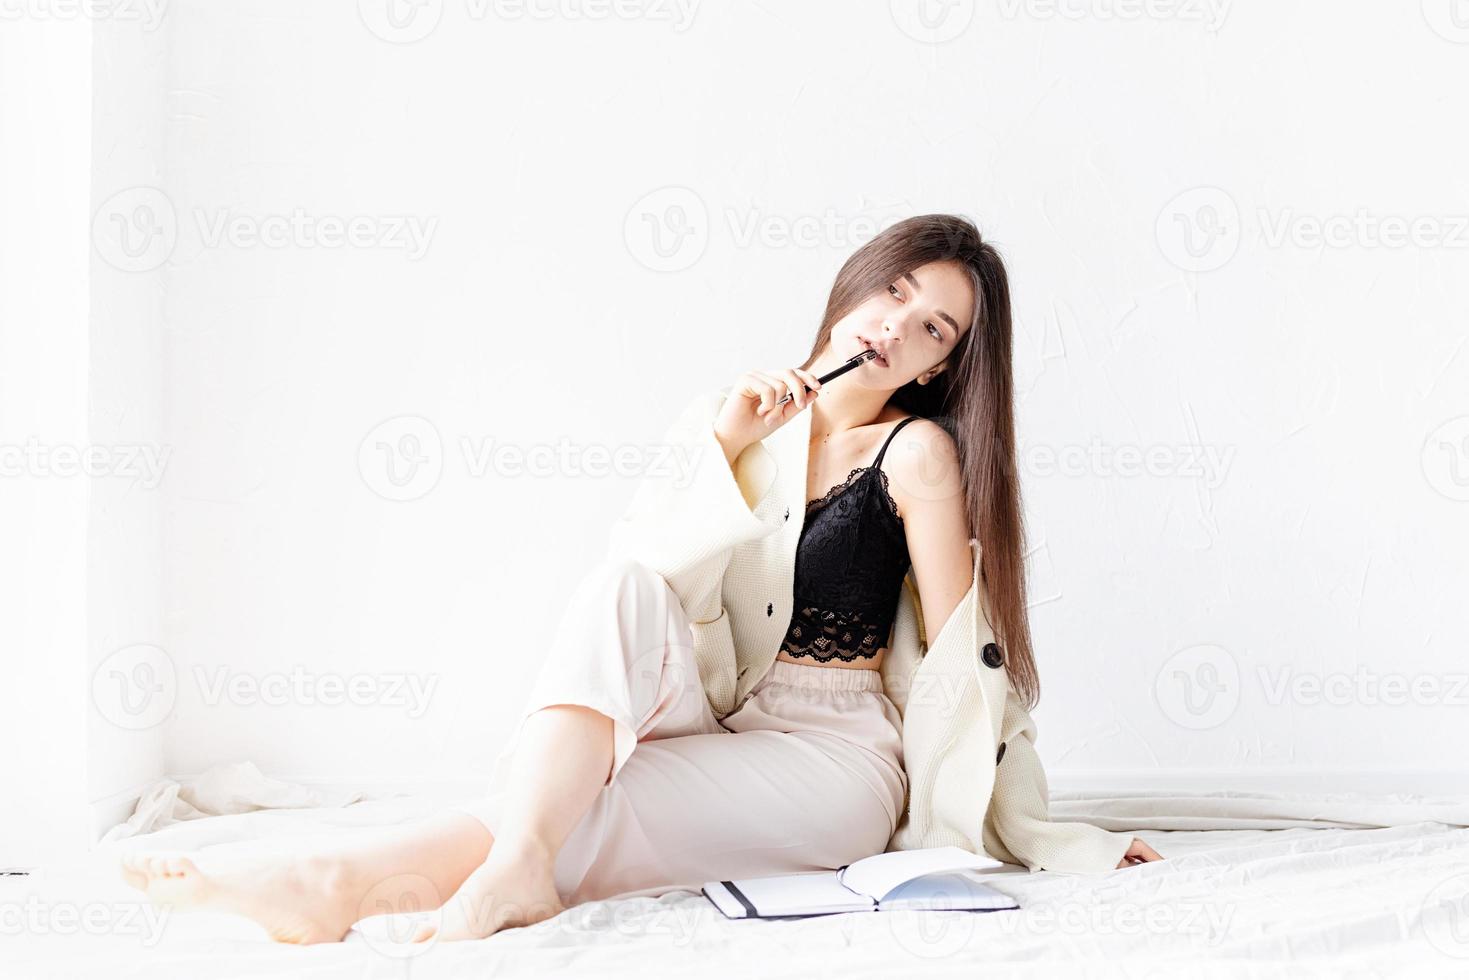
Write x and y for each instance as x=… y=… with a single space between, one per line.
x=749 y=413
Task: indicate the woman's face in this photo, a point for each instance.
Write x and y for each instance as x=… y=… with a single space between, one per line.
x=914 y=322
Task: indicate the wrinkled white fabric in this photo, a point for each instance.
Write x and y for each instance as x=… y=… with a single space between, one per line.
x=234 y=787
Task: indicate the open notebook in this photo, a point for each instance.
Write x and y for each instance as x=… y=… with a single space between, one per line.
x=938 y=878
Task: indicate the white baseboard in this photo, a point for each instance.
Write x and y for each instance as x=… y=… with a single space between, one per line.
x=117 y=808
x=1259 y=780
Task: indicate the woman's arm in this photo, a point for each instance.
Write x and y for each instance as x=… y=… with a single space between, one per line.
x=688 y=513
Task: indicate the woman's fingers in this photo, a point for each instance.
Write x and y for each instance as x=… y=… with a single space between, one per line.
x=796 y=385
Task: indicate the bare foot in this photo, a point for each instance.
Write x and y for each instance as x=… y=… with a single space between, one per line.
x=296 y=899
x=514 y=887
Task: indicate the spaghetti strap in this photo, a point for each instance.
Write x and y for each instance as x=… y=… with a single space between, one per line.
x=877 y=463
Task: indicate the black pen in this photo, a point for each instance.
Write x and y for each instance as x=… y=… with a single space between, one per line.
x=853 y=362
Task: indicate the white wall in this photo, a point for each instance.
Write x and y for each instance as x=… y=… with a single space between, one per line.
x=1135 y=171
x=45 y=150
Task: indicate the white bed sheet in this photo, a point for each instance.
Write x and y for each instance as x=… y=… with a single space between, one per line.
x=1304 y=901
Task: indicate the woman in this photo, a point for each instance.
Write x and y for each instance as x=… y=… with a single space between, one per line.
x=623 y=777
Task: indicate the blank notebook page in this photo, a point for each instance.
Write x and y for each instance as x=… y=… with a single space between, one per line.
x=809 y=892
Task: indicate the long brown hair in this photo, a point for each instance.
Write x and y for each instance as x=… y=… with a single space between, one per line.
x=972 y=399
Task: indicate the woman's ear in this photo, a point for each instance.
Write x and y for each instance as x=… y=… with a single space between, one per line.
x=932 y=373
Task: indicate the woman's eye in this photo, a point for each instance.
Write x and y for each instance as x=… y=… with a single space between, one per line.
x=937 y=333
x=894 y=290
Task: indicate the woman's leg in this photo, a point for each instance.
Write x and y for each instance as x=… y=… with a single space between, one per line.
x=312 y=889
x=563 y=759
x=619 y=672
x=620 y=623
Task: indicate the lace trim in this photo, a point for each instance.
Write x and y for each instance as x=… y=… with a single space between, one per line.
x=840 y=488
x=824 y=635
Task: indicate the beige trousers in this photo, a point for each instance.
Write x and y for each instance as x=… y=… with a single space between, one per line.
x=806 y=775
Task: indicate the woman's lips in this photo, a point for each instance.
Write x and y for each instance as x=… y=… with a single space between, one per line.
x=879 y=359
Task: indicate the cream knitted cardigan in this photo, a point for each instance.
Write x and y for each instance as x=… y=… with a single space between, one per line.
x=725 y=541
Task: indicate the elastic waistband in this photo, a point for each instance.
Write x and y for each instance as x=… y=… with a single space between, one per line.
x=827 y=678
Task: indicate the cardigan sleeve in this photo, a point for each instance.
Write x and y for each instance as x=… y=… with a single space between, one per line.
x=1018 y=824
x=688 y=513
x=686 y=517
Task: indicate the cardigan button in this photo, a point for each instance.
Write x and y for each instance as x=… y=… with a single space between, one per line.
x=1001 y=754
x=992 y=656
x=788 y=513
x=770 y=609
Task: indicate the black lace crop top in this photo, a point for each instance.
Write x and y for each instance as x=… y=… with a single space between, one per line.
x=850 y=562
